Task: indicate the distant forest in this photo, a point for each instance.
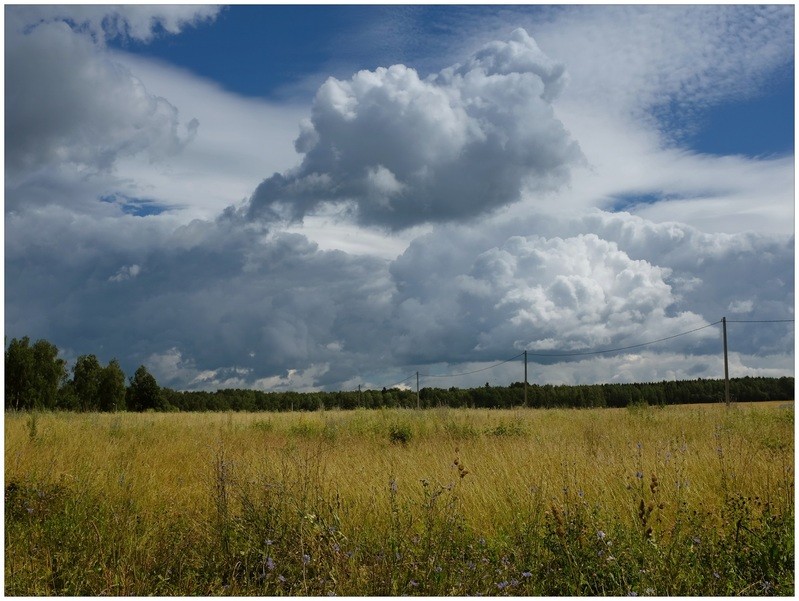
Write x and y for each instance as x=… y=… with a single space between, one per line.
x=36 y=378
x=491 y=397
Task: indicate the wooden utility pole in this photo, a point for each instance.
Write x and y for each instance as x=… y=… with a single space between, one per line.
x=525 y=378
x=726 y=367
x=359 y=397
x=418 y=406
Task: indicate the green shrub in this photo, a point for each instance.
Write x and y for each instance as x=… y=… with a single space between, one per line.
x=400 y=434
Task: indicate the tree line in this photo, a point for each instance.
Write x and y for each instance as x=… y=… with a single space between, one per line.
x=37 y=378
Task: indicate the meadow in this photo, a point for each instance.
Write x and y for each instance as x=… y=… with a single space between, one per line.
x=676 y=500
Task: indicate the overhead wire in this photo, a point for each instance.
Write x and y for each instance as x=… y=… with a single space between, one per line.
x=598 y=352
x=466 y=373
x=760 y=320
x=624 y=348
x=401 y=381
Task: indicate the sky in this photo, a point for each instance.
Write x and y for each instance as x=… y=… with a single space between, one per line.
x=321 y=197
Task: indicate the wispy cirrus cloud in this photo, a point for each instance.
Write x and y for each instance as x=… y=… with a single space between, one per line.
x=139 y=22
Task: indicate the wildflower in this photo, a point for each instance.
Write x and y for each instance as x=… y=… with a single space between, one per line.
x=716 y=575
x=393 y=484
x=282 y=578
x=270 y=564
x=502 y=585
x=600 y=534
x=336 y=548
x=268 y=542
x=650 y=591
x=527 y=574
x=632 y=594
x=413 y=583
x=306 y=559
x=639 y=475
x=696 y=540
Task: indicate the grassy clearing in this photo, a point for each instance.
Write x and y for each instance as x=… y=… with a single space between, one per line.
x=683 y=500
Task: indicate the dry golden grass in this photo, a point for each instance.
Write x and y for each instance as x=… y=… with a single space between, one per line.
x=675 y=500
x=605 y=456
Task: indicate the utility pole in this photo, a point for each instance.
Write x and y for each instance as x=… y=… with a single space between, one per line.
x=525 y=378
x=726 y=367
x=418 y=405
x=359 y=397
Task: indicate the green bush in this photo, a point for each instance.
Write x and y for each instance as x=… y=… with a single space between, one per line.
x=400 y=434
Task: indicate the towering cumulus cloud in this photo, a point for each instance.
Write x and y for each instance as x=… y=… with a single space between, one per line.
x=399 y=150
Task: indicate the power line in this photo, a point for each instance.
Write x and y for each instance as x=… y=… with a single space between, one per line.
x=760 y=321
x=624 y=348
x=599 y=352
x=401 y=381
x=466 y=373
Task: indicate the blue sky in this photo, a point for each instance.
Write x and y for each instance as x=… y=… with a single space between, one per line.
x=252 y=51
x=761 y=125
x=321 y=197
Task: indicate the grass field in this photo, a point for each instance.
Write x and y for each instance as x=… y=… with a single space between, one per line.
x=681 y=500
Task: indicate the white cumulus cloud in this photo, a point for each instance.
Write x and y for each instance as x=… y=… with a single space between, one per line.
x=405 y=150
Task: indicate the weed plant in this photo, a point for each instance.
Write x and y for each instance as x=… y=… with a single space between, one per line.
x=694 y=500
